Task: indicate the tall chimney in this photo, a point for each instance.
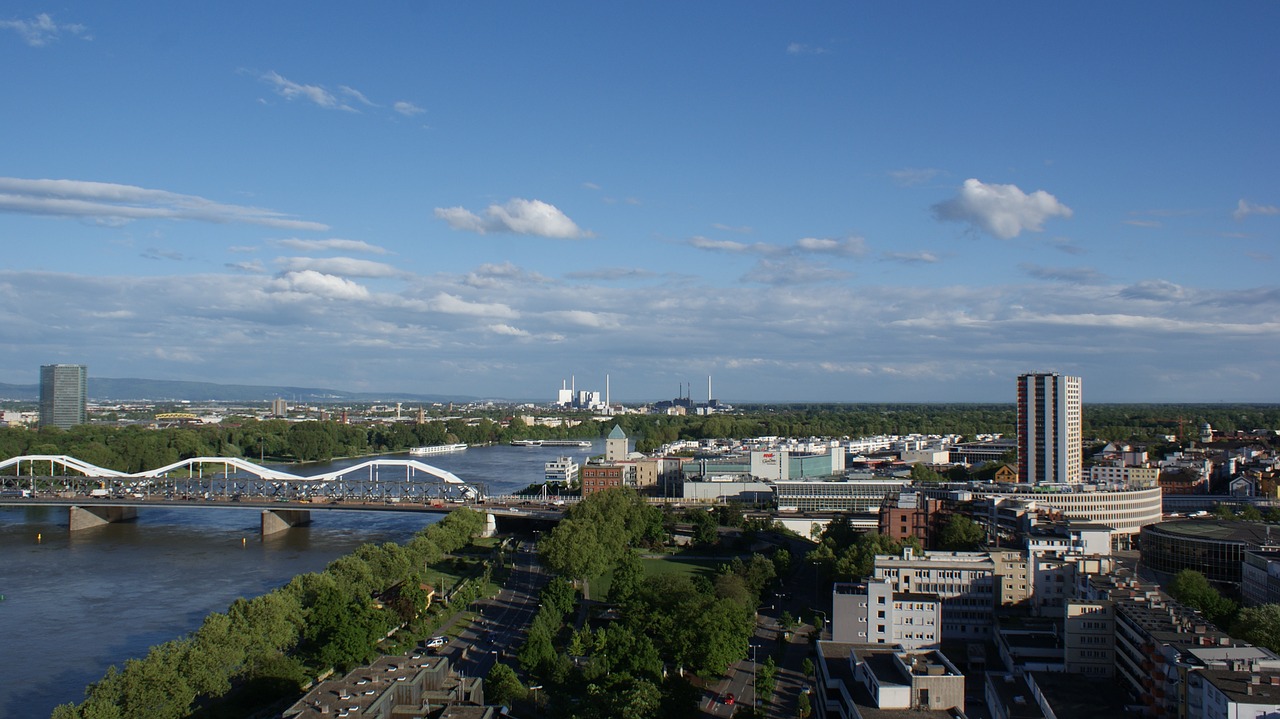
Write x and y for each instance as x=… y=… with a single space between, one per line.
x=606 y=390
x=708 y=389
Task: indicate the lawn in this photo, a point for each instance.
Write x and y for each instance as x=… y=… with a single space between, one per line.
x=657 y=567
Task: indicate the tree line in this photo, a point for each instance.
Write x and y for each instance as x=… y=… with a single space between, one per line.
x=134 y=448
x=267 y=648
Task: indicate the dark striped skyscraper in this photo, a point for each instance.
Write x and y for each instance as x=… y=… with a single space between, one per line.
x=64 y=391
x=1049 y=429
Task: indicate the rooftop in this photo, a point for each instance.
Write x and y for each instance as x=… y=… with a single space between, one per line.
x=1075 y=696
x=1246 y=687
x=1256 y=534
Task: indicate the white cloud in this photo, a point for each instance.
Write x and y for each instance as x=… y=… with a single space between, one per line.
x=789 y=271
x=846 y=246
x=851 y=246
x=346 y=266
x=501 y=329
x=799 y=48
x=920 y=256
x=506 y=275
x=310 y=282
x=252 y=266
x=1245 y=208
x=332 y=244
x=911 y=176
x=583 y=318
x=454 y=305
x=42 y=30
x=524 y=217
x=109 y=201
x=612 y=273
x=315 y=94
x=359 y=96
x=1002 y=211
x=1157 y=290
x=706 y=243
x=408 y=109
x=1082 y=275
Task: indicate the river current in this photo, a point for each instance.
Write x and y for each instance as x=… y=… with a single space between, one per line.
x=75 y=604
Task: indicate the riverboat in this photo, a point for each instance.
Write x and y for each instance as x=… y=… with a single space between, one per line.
x=437 y=449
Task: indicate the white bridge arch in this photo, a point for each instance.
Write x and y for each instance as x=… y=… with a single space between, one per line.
x=68 y=463
x=232 y=477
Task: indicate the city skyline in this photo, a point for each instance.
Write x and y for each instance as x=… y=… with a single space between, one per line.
x=818 y=203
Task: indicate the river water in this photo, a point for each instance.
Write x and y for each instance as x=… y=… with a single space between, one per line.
x=76 y=604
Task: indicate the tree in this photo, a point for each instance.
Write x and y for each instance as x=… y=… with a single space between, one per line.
x=1194 y=590
x=960 y=534
x=1259 y=625
x=803 y=706
x=502 y=686
x=921 y=472
x=627 y=577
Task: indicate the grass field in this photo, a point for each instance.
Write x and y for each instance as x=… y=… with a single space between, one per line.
x=657 y=567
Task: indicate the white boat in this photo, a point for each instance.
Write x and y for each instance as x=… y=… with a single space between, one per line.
x=437 y=449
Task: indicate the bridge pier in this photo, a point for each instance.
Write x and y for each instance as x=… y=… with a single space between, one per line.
x=79 y=518
x=278 y=520
x=490 y=525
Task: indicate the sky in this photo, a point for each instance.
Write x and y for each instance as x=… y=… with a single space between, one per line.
x=812 y=201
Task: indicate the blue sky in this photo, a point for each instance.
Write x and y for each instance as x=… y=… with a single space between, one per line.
x=808 y=201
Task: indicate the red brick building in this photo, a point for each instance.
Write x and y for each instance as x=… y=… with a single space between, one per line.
x=911 y=515
x=599 y=477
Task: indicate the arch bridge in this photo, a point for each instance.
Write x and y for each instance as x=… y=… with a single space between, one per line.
x=89 y=488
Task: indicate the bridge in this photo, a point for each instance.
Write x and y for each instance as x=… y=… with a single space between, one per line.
x=97 y=495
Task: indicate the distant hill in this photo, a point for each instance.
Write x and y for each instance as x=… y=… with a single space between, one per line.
x=103 y=389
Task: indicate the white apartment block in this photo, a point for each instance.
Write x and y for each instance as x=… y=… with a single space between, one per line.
x=871 y=613
x=966 y=582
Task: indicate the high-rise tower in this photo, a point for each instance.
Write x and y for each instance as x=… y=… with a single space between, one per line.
x=64 y=392
x=1049 y=429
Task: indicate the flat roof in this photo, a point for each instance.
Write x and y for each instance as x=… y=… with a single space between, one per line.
x=1239 y=686
x=1255 y=534
x=1076 y=696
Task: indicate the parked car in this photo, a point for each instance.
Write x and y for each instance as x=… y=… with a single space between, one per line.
x=437 y=642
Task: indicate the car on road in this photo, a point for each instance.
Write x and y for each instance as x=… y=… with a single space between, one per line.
x=730 y=699
x=437 y=642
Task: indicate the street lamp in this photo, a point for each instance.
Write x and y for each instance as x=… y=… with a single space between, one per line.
x=535 y=689
x=824 y=620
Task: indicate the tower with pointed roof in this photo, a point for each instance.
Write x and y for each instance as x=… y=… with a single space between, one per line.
x=616 y=445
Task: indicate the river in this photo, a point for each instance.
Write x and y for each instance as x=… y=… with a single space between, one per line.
x=76 y=604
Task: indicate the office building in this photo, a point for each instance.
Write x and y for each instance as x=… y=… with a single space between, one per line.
x=871 y=613
x=875 y=680
x=965 y=582
x=1049 y=429
x=64 y=392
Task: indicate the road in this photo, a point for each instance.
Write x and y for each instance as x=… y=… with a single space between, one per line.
x=798 y=597
x=502 y=621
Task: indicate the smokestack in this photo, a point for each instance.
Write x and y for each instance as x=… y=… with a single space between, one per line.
x=606 y=390
x=708 y=389
x=573 y=384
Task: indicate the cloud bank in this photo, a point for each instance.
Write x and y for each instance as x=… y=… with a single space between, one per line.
x=115 y=203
